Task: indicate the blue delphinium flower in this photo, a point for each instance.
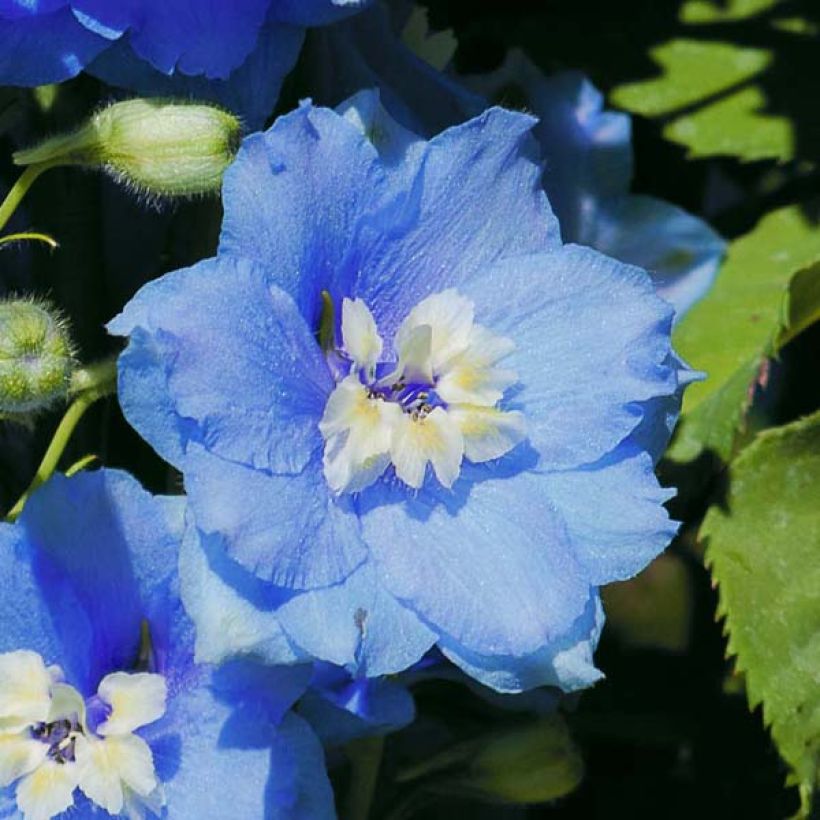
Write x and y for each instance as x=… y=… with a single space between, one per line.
x=588 y=175
x=405 y=412
x=102 y=708
x=234 y=52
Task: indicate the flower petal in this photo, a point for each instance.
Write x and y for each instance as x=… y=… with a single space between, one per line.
x=487 y=564
x=257 y=395
x=357 y=624
x=591 y=343
x=135 y=700
x=20 y=754
x=614 y=513
x=288 y=530
x=47 y=48
x=48 y=790
x=178 y=36
x=25 y=690
x=456 y=228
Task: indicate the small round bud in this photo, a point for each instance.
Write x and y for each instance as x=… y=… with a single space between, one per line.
x=36 y=357
x=158 y=147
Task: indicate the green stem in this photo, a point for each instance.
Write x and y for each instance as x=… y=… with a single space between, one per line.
x=88 y=384
x=365 y=760
x=29 y=236
x=20 y=189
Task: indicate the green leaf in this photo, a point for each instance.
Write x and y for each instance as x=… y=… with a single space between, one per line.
x=734 y=81
x=764 y=553
x=803 y=303
x=731 y=333
x=692 y=71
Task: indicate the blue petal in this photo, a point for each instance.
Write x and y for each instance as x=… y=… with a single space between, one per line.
x=46 y=48
x=592 y=340
x=91 y=558
x=234 y=612
x=315 y=12
x=565 y=662
x=365 y=52
x=614 y=513
x=681 y=252
x=341 y=709
x=357 y=624
x=251 y=90
x=294 y=200
x=215 y=756
x=175 y=35
x=287 y=530
x=397 y=146
x=486 y=565
x=242 y=368
x=452 y=228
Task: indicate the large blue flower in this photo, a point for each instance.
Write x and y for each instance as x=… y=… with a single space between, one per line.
x=101 y=704
x=245 y=47
x=456 y=458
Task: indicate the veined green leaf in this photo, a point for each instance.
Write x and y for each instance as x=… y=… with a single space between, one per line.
x=730 y=334
x=763 y=549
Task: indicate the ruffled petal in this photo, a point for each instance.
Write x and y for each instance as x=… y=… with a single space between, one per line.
x=250 y=91
x=180 y=35
x=592 y=342
x=216 y=755
x=486 y=565
x=287 y=530
x=450 y=228
x=357 y=624
x=565 y=662
x=614 y=513
x=294 y=200
x=46 y=48
x=100 y=547
x=315 y=12
x=255 y=397
x=234 y=612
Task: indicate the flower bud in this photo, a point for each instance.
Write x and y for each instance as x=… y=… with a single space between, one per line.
x=36 y=357
x=154 y=146
x=531 y=764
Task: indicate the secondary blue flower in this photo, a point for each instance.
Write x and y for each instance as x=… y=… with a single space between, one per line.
x=455 y=464
x=245 y=47
x=101 y=704
x=588 y=176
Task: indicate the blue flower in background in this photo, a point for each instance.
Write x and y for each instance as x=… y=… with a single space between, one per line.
x=238 y=52
x=588 y=174
x=101 y=704
x=407 y=415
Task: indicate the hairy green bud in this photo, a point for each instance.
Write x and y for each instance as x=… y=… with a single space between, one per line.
x=157 y=147
x=36 y=357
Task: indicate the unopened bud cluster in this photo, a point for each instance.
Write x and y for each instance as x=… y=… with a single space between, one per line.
x=36 y=357
x=157 y=147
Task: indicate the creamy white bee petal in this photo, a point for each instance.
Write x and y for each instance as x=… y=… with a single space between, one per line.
x=135 y=700
x=19 y=755
x=111 y=765
x=415 y=357
x=66 y=702
x=358 y=430
x=488 y=433
x=25 y=689
x=48 y=790
x=470 y=376
x=434 y=439
x=450 y=317
x=360 y=335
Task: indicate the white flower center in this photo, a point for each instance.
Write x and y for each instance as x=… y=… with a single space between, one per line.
x=49 y=745
x=436 y=405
